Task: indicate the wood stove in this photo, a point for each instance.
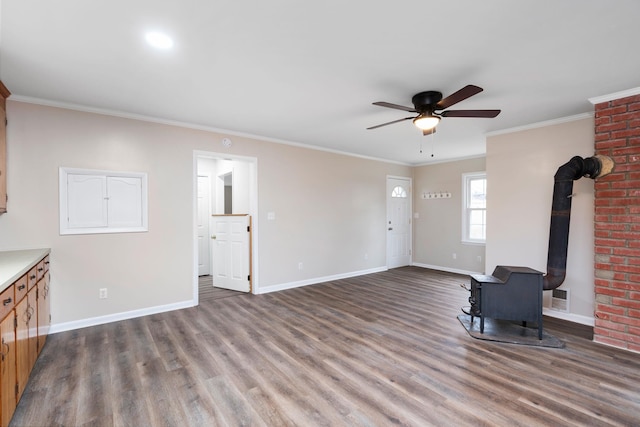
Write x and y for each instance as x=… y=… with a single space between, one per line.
x=510 y=293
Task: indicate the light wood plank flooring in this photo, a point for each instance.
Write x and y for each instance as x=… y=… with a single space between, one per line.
x=206 y=291
x=375 y=350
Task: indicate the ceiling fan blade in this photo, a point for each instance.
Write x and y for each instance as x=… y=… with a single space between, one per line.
x=429 y=132
x=471 y=113
x=390 y=123
x=396 y=106
x=464 y=93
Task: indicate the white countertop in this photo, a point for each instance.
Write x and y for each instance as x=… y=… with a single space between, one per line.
x=13 y=264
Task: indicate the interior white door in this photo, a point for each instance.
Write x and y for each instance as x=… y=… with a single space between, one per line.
x=231 y=237
x=398 y=222
x=204 y=215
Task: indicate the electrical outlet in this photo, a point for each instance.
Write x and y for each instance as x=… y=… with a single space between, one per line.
x=454 y=255
x=103 y=293
x=479 y=258
x=300 y=266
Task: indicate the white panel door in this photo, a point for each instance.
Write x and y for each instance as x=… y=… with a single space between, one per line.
x=398 y=222
x=231 y=252
x=204 y=216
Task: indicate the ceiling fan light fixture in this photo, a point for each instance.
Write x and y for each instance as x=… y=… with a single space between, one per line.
x=426 y=121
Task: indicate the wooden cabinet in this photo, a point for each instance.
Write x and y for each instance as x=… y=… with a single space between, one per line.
x=8 y=379
x=44 y=311
x=24 y=324
x=32 y=323
x=4 y=94
x=22 y=346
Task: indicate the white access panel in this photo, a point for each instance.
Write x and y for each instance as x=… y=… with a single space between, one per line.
x=93 y=201
x=124 y=196
x=87 y=203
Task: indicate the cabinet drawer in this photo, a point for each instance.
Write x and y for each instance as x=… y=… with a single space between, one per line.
x=39 y=271
x=32 y=277
x=7 y=301
x=21 y=288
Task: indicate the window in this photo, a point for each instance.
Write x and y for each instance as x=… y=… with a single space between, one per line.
x=474 y=207
x=399 y=192
x=94 y=201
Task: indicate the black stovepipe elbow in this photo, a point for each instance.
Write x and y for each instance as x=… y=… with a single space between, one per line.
x=573 y=170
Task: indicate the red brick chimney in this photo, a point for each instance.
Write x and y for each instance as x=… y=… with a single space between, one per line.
x=617 y=224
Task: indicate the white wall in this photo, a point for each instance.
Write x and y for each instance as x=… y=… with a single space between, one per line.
x=438 y=229
x=241 y=172
x=520 y=169
x=330 y=210
x=241 y=180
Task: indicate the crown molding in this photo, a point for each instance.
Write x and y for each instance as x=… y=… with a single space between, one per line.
x=615 y=95
x=457 y=159
x=542 y=124
x=143 y=118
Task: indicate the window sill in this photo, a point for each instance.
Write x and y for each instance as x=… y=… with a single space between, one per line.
x=473 y=243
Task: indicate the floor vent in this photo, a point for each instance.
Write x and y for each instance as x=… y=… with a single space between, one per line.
x=560 y=300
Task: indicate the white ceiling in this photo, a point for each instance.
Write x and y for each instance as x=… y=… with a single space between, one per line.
x=307 y=72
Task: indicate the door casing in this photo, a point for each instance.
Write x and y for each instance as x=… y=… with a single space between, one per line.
x=253 y=211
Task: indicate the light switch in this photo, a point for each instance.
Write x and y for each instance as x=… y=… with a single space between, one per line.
x=271 y=216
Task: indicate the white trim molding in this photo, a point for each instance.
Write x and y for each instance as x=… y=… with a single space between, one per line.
x=317 y=280
x=543 y=124
x=445 y=269
x=187 y=125
x=116 y=317
x=575 y=318
x=616 y=95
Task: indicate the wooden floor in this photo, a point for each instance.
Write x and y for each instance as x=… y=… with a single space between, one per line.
x=375 y=350
x=206 y=291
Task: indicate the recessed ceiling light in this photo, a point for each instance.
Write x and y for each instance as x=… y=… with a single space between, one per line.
x=159 y=40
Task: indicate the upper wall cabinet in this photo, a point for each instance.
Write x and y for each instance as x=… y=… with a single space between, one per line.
x=4 y=94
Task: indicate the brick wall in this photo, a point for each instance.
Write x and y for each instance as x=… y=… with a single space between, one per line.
x=617 y=225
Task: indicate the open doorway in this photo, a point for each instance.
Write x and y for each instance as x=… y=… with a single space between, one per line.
x=223 y=186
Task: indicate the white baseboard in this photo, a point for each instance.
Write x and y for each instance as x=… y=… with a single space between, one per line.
x=447 y=269
x=291 y=285
x=576 y=318
x=101 y=320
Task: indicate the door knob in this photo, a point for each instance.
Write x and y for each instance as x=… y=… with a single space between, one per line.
x=213 y=237
x=390 y=228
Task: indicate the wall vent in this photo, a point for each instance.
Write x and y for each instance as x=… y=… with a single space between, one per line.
x=560 y=300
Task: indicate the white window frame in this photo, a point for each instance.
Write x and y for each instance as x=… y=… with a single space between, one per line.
x=466 y=210
x=104 y=224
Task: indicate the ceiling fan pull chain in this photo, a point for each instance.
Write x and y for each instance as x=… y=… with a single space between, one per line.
x=433 y=138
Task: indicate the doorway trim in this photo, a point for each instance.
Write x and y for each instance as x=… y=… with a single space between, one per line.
x=208 y=226
x=253 y=211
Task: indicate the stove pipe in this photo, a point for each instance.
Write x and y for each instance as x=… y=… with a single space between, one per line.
x=591 y=167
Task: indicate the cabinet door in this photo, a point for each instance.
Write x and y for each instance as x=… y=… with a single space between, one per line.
x=23 y=315
x=8 y=367
x=44 y=311
x=3 y=149
x=33 y=326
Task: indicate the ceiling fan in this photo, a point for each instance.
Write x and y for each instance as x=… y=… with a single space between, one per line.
x=426 y=104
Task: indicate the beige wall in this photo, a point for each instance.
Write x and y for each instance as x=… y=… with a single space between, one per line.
x=438 y=228
x=330 y=210
x=520 y=169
